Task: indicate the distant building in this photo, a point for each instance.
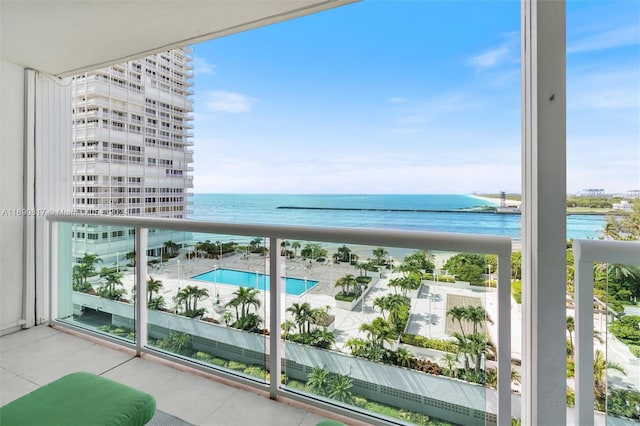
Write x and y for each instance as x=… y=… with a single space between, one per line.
x=132 y=149
x=623 y=205
x=633 y=193
x=591 y=192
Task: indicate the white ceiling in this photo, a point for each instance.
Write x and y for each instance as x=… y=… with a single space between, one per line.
x=67 y=37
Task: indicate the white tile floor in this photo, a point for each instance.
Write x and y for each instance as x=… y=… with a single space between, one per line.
x=39 y=355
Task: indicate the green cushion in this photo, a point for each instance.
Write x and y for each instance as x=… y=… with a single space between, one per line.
x=330 y=423
x=80 y=399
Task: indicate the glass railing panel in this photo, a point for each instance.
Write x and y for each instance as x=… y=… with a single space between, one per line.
x=606 y=327
x=96 y=278
x=617 y=342
x=396 y=333
x=213 y=301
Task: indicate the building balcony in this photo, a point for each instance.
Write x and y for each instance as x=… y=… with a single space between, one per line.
x=222 y=349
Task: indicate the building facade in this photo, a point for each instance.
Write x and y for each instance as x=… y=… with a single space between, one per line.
x=132 y=149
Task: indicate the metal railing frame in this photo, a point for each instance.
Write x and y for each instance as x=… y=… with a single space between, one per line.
x=585 y=253
x=453 y=242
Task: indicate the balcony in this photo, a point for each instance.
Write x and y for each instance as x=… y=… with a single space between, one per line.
x=223 y=342
x=212 y=400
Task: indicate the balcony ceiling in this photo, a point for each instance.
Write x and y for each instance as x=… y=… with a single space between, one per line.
x=67 y=37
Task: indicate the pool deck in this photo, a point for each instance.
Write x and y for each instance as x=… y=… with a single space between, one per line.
x=428 y=308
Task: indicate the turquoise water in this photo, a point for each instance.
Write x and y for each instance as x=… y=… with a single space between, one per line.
x=293 y=286
x=263 y=209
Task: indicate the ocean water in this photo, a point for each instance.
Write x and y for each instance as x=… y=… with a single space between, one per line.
x=405 y=212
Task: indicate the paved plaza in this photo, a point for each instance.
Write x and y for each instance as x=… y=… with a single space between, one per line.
x=428 y=310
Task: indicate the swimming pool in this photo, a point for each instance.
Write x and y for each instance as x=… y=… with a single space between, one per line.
x=293 y=286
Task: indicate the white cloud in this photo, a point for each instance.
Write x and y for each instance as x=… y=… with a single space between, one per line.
x=398 y=100
x=607 y=39
x=490 y=59
x=201 y=66
x=231 y=102
x=506 y=53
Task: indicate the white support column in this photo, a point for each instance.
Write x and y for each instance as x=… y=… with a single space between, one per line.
x=29 y=230
x=544 y=211
x=53 y=178
x=142 y=235
x=275 y=301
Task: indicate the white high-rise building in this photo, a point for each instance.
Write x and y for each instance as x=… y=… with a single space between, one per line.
x=132 y=149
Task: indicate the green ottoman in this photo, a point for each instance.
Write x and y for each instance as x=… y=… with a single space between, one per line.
x=80 y=399
x=330 y=423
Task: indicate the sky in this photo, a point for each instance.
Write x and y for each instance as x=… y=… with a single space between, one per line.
x=409 y=96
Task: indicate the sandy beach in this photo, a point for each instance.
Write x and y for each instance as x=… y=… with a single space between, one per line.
x=496 y=200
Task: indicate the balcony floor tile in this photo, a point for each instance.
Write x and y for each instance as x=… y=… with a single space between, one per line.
x=36 y=356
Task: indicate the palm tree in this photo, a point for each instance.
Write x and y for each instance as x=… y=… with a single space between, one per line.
x=323 y=338
x=477 y=345
x=189 y=297
x=196 y=293
x=340 y=388
x=346 y=283
x=382 y=303
x=86 y=267
x=458 y=313
x=171 y=248
x=571 y=326
x=131 y=257
x=380 y=253
x=112 y=280
x=463 y=348
x=397 y=305
x=287 y=326
x=301 y=316
x=379 y=332
x=343 y=254
x=477 y=315
x=153 y=287
x=600 y=366
x=255 y=244
x=450 y=359
x=403 y=357
x=317 y=381
x=245 y=298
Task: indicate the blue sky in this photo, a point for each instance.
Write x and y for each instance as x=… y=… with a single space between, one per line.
x=409 y=97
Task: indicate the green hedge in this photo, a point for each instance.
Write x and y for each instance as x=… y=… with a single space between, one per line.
x=635 y=350
x=346 y=297
x=485 y=283
x=425 y=342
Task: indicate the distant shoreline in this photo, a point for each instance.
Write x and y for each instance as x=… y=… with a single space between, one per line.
x=496 y=200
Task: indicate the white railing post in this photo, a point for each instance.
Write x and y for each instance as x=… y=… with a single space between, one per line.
x=275 y=301
x=141 y=319
x=583 y=288
x=53 y=268
x=504 y=339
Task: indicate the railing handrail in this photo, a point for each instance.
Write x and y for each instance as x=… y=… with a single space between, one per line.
x=485 y=244
x=611 y=251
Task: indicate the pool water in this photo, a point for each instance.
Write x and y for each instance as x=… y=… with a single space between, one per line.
x=293 y=286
